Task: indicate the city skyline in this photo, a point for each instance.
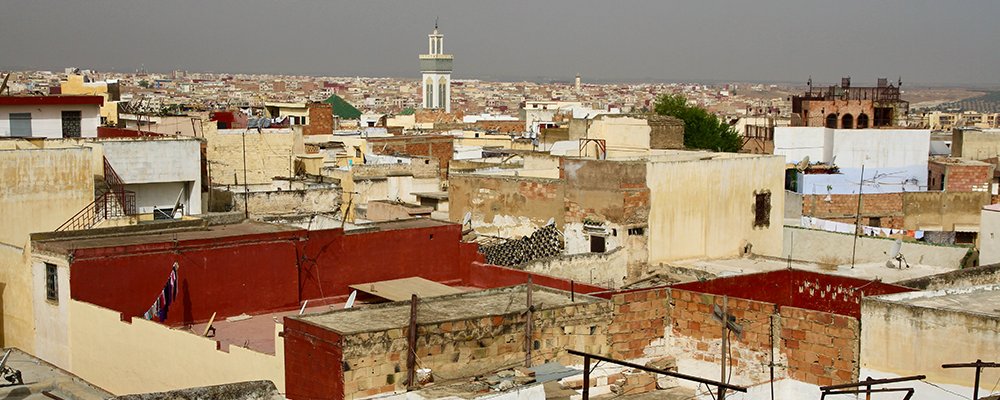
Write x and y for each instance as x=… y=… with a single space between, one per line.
x=641 y=41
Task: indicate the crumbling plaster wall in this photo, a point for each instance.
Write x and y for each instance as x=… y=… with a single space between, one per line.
x=39 y=190
x=506 y=206
x=830 y=247
x=706 y=208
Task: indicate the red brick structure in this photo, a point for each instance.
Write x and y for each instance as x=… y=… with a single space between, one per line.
x=438 y=147
x=848 y=107
x=320 y=119
x=958 y=175
x=879 y=209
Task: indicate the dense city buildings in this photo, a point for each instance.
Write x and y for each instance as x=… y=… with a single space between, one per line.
x=267 y=236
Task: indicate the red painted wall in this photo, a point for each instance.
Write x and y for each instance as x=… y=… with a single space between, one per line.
x=108 y=132
x=332 y=260
x=251 y=274
x=313 y=362
x=796 y=288
x=491 y=276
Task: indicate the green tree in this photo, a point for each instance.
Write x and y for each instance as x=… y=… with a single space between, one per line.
x=702 y=129
x=144 y=84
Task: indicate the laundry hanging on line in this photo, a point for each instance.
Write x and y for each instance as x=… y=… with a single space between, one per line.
x=165 y=298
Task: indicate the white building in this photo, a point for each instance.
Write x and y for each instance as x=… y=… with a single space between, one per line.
x=50 y=117
x=894 y=160
x=161 y=172
x=436 y=67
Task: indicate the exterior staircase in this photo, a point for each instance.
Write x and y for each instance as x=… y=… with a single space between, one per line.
x=111 y=201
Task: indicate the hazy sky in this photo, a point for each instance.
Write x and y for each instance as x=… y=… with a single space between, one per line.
x=925 y=41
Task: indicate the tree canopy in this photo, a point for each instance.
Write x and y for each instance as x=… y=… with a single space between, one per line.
x=702 y=129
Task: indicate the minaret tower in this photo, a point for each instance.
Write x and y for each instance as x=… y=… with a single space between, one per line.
x=436 y=68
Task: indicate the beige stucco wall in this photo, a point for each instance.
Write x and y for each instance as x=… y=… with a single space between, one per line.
x=268 y=154
x=705 y=208
x=989 y=237
x=975 y=144
x=144 y=356
x=76 y=86
x=39 y=190
x=907 y=340
x=624 y=136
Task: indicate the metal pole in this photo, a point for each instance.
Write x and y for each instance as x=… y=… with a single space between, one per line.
x=246 y=186
x=586 y=377
x=527 y=329
x=857 y=219
x=975 y=389
x=411 y=346
x=725 y=329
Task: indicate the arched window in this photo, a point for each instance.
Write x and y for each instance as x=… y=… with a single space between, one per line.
x=847 y=121
x=831 y=120
x=428 y=93
x=862 y=121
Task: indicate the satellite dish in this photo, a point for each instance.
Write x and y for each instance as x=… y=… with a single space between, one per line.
x=802 y=165
x=467 y=219
x=350 y=300
x=551 y=221
x=896 y=247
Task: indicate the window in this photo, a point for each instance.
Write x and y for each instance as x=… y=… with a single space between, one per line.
x=875 y=222
x=831 y=121
x=20 y=124
x=847 y=121
x=635 y=231
x=965 y=237
x=762 y=209
x=71 y=124
x=51 y=282
x=863 y=121
x=357 y=152
x=597 y=244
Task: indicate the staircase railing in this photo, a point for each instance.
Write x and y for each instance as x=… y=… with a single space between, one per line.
x=109 y=205
x=115 y=202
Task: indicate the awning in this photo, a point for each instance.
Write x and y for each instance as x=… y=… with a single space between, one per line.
x=403 y=289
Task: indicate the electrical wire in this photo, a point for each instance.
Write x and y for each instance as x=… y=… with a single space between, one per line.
x=946 y=390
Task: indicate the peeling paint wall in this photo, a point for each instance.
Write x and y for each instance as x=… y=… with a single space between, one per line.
x=706 y=208
x=269 y=153
x=39 y=190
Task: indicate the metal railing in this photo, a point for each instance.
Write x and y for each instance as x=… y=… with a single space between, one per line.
x=109 y=205
x=115 y=202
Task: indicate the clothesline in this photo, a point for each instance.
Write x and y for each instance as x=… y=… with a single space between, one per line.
x=833 y=226
x=166 y=297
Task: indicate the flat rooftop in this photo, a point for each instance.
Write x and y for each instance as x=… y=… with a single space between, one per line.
x=982 y=300
x=486 y=303
x=867 y=271
x=414 y=223
x=126 y=238
x=46 y=381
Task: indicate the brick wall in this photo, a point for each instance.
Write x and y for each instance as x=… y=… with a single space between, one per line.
x=810 y=346
x=639 y=320
x=320 y=119
x=844 y=207
x=968 y=178
x=440 y=148
x=822 y=348
x=698 y=335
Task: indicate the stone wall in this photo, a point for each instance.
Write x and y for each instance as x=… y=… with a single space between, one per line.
x=375 y=362
x=943 y=211
x=666 y=132
x=289 y=202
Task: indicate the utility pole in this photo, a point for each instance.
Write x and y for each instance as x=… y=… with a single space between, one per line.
x=725 y=331
x=527 y=329
x=246 y=187
x=978 y=365
x=411 y=346
x=857 y=218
